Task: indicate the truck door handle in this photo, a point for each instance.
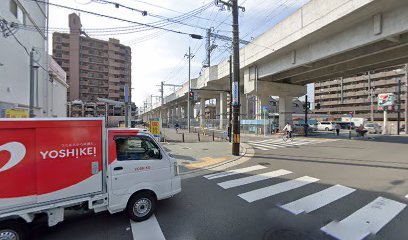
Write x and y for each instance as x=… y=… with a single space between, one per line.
x=117 y=168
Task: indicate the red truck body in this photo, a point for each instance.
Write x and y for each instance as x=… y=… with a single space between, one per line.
x=68 y=162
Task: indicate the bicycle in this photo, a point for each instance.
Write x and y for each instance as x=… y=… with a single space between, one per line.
x=286 y=137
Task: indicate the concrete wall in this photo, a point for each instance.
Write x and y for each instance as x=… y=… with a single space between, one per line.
x=14 y=71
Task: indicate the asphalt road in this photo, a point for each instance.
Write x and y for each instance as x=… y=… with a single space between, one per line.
x=352 y=189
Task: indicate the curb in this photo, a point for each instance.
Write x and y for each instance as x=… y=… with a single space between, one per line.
x=249 y=152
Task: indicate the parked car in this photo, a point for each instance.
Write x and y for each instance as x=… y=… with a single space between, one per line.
x=373 y=128
x=346 y=125
x=326 y=126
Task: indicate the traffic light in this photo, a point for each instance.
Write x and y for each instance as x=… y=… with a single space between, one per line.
x=191 y=95
x=306 y=105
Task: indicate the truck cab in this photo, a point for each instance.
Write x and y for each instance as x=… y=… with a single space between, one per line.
x=140 y=172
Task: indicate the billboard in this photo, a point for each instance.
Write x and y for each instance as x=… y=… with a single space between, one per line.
x=386 y=101
x=16 y=113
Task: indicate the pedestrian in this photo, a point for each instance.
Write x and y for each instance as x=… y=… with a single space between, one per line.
x=337 y=127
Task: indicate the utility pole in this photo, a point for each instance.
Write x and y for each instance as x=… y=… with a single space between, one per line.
x=126 y=105
x=31 y=105
x=306 y=110
x=406 y=99
x=189 y=56
x=399 y=107
x=230 y=101
x=371 y=92
x=233 y=4
x=208 y=47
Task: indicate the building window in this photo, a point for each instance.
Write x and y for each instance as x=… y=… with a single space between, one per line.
x=16 y=10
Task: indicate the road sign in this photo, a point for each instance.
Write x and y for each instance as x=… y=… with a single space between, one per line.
x=265 y=109
x=155 y=126
x=235 y=93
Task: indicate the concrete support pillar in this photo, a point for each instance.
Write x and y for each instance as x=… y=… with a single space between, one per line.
x=223 y=109
x=285 y=110
x=202 y=111
x=217 y=108
x=178 y=112
x=261 y=100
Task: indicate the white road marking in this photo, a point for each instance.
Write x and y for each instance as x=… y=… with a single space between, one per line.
x=317 y=200
x=279 y=143
x=233 y=172
x=369 y=219
x=147 y=230
x=263 y=146
x=276 y=189
x=252 y=179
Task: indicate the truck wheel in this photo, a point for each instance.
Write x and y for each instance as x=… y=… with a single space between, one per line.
x=141 y=206
x=13 y=230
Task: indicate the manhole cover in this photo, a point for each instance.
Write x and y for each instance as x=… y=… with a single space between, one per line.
x=185 y=148
x=205 y=149
x=264 y=164
x=286 y=234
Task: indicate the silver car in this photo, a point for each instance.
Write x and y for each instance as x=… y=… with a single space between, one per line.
x=373 y=128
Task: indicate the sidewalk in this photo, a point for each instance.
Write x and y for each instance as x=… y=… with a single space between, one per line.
x=170 y=135
x=193 y=157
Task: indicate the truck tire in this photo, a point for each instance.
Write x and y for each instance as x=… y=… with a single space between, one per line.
x=141 y=206
x=13 y=230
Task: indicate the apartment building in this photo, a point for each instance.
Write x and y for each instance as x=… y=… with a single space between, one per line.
x=95 y=68
x=358 y=94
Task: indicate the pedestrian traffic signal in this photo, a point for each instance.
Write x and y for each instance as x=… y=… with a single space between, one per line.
x=191 y=95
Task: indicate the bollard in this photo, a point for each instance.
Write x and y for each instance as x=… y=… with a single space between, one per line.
x=213 y=137
x=182 y=136
x=198 y=134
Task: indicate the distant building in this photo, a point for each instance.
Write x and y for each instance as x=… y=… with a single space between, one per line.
x=16 y=43
x=95 y=68
x=338 y=97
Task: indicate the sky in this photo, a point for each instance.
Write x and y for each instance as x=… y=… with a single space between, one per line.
x=158 y=55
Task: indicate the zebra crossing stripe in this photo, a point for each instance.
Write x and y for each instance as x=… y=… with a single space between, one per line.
x=252 y=179
x=233 y=172
x=369 y=219
x=317 y=200
x=276 y=189
x=262 y=141
x=263 y=146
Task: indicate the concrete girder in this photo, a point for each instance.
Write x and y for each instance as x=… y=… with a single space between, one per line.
x=368 y=50
x=380 y=59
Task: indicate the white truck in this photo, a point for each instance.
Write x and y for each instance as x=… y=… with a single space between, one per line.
x=50 y=165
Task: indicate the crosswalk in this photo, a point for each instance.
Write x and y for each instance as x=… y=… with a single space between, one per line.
x=368 y=219
x=269 y=144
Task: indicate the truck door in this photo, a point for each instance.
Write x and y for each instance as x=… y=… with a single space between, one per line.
x=139 y=164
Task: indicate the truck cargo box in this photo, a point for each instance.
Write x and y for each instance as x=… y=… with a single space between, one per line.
x=45 y=160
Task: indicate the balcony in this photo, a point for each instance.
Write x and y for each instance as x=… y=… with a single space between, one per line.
x=113 y=95
x=113 y=87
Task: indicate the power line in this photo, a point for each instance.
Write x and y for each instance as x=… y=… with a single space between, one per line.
x=198 y=17
x=22 y=45
x=111 y=17
x=145 y=13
